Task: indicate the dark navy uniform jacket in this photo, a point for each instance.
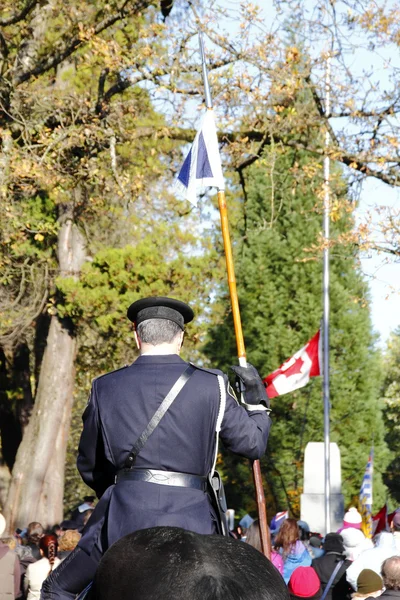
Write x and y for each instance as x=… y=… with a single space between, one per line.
x=120 y=407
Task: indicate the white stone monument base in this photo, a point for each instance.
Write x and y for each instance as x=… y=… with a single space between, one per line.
x=313 y=511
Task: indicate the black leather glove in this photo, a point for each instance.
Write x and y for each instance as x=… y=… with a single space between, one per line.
x=254 y=388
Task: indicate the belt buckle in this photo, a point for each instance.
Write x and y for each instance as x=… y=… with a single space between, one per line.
x=160 y=478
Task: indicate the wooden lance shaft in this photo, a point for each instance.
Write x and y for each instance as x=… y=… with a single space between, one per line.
x=262 y=511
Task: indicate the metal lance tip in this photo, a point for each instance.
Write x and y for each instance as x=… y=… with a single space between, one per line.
x=207 y=92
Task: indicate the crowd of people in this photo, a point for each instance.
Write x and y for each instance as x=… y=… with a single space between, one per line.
x=343 y=565
x=28 y=556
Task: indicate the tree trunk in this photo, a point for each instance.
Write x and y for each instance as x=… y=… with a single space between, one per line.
x=53 y=489
x=37 y=484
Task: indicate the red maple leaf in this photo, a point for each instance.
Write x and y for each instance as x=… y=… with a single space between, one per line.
x=295 y=368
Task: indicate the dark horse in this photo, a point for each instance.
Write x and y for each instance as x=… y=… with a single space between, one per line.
x=168 y=563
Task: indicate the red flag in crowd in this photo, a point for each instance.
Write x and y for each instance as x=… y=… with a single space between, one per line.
x=380 y=521
x=297 y=370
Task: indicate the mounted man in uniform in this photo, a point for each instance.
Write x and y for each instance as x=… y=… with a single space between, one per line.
x=172 y=413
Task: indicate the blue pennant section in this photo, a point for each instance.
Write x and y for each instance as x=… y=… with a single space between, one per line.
x=184 y=173
x=203 y=167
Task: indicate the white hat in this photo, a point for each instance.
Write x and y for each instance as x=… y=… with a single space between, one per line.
x=352 y=516
x=355 y=542
x=2 y=524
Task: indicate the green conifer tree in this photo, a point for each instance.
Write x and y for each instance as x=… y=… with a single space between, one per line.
x=391 y=399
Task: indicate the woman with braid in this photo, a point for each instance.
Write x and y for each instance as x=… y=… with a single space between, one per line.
x=37 y=572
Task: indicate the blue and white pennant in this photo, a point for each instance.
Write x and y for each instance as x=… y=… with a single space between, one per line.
x=366 y=486
x=202 y=166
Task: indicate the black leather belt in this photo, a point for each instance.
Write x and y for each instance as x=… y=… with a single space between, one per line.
x=163 y=478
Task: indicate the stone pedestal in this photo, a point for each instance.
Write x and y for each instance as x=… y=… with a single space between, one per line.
x=312 y=502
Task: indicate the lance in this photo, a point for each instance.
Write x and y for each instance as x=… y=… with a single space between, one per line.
x=223 y=211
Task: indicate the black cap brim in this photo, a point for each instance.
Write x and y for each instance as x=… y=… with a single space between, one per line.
x=160 y=307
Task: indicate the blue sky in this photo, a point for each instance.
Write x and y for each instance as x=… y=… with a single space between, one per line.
x=383 y=275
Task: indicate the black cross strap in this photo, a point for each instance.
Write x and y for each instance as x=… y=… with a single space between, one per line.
x=158 y=415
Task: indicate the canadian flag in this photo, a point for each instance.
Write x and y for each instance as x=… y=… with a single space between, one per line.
x=297 y=370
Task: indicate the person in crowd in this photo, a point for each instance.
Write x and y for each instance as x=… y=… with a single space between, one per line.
x=19 y=535
x=391 y=578
x=355 y=542
x=305 y=536
x=244 y=524
x=86 y=518
x=147 y=476
x=10 y=579
x=56 y=530
x=315 y=546
x=26 y=558
x=67 y=525
x=254 y=539
x=334 y=554
x=369 y=585
x=79 y=515
x=304 y=530
x=292 y=550
x=395 y=529
x=237 y=533
x=304 y=583
x=13 y=544
x=33 y=536
x=372 y=558
x=68 y=542
x=37 y=572
x=277 y=521
x=351 y=520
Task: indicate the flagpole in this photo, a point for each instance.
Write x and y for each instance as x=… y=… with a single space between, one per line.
x=326 y=382
x=223 y=211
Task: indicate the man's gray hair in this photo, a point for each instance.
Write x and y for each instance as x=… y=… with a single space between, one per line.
x=391 y=573
x=157 y=331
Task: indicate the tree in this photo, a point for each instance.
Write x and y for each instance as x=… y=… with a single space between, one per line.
x=281 y=307
x=76 y=178
x=391 y=399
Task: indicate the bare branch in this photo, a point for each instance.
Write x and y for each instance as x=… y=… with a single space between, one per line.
x=123 y=83
x=100 y=92
x=30 y=5
x=386 y=250
x=321 y=109
x=113 y=160
x=266 y=140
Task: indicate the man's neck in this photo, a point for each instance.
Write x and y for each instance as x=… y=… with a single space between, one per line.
x=161 y=349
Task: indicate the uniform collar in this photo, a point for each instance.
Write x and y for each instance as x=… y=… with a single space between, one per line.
x=159 y=359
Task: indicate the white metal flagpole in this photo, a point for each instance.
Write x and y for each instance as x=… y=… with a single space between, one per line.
x=326 y=390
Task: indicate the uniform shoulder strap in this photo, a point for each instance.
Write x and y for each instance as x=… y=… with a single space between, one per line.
x=158 y=415
x=214 y=372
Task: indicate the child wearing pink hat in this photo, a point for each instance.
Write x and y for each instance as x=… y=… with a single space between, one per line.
x=351 y=519
x=304 y=583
